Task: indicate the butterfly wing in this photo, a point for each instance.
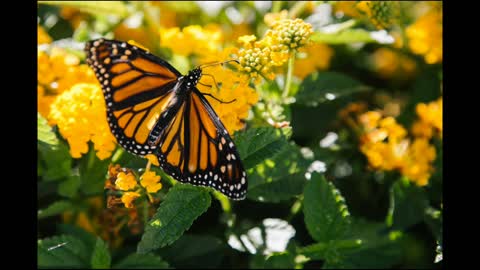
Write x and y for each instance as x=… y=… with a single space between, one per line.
x=197 y=149
x=139 y=90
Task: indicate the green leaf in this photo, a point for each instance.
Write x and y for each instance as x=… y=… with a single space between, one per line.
x=87 y=237
x=370 y=245
x=195 y=251
x=45 y=133
x=283 y=260
x=93 y=172
x=279 y=178
x=141 y=261
x=56 y=161
x=407 y=205
x=326 y=214
x=182 y=205
x=325 y=86
x=349 y=36
x=101 y=256
x=106 y=8
x=69 y=187
x=62 y=252
x=54 y=209
x=257 y=144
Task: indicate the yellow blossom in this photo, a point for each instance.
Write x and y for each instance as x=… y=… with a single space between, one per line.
x=387 y=147
x=430 y=119
x=57 y=71
x=234 y=86
x=425 y=36
x=125 y=181
x=389 y=63
x=42 y=36
x=150 y=181
x=418 y=162
x=128 y=198
x=192 y=39
x=80 y=115
x=153 y=159
x=290 y=33
x=270 y=18
x=316 y=57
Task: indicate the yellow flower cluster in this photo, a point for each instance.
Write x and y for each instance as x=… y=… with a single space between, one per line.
x=42 y=36
x=192 y=39
x=381 y=13
x=290 y=33
x=80 y=115
x=316 y=56
x=386 y=146
x=57 y=71
x=425 y=36
x=234 y=86
x=430 y=119
x=260 y=57
x=124 y=180
x=389 y=63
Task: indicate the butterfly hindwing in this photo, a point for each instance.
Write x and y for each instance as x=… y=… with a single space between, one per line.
x=197 y=149
x=139 y=91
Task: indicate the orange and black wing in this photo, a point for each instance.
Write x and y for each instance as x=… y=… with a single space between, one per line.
x=197 y=149
x=139 y=90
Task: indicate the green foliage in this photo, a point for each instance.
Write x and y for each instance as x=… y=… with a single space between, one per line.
x=195 y=251
x=326 y=215
x=141 y=261
x=407 y=205
x=320 y=87
x=278 y=178
x=101 y=256
x=63 y=251
x=97 y=8
x=45 y=133
x=257 y=144
x=55 y=208
x=346 y=37
x=176 y=214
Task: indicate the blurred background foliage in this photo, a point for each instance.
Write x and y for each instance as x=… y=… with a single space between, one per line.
x=342 y=141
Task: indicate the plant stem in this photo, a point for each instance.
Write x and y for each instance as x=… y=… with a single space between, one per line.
x=288 y=81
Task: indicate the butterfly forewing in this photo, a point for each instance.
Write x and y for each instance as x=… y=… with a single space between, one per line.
x=152 y=108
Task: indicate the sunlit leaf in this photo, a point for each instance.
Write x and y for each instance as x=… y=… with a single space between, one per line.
x=182 y=205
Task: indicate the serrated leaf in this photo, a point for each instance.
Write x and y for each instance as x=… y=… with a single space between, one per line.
x=101 y=256
x=141 y=261
x=349 y=36
x=407 y=205
x=195 y=251
x=326 y=214
x=106 y=8
x=257 y=144
x=62 y=252
x=45 y=133
x=325 y=86
x=182 y=205
x=279 y=178
x=54 y=209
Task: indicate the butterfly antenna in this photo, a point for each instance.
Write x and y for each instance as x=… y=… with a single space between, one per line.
x=218 y=63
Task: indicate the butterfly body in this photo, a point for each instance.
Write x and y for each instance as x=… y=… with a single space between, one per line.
x=154 y=109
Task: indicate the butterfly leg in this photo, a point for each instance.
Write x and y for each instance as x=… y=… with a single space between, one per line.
x=219 y=100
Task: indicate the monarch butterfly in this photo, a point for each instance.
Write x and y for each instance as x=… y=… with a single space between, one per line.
x=153 y=109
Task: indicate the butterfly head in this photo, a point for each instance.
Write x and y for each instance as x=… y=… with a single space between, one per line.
x=193 y=77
